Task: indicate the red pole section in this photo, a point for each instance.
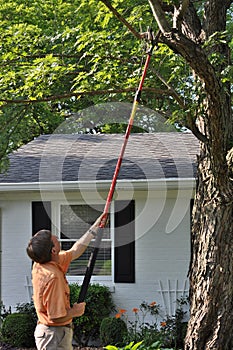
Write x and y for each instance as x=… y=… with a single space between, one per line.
x=93 y=256
x=126 y=137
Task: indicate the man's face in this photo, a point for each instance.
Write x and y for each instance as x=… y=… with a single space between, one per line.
x=56 y=243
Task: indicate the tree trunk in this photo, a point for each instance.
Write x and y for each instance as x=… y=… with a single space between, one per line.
x=211 y=273
x=211 y=267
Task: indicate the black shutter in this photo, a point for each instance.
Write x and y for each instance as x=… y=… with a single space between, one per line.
x=41 y=216
x=124 y=243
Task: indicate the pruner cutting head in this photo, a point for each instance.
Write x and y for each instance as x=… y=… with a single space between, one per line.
x=151 y=38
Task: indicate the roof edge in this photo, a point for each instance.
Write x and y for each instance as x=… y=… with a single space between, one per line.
x=156 y=184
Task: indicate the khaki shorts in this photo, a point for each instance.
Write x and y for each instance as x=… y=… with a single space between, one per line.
x=53 y=338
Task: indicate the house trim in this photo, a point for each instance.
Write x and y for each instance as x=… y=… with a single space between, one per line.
x=159 y=184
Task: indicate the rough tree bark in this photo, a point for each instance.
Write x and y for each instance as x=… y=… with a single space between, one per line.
x=211 y=275
x=211 y=267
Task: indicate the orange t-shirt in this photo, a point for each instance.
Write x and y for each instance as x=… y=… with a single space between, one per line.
x=51 y=292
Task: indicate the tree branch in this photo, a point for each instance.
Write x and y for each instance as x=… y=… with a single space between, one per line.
x=83 y=93
x=170 y=88
x=215 y=16
x=197 y=59
x=179 y=13
x=191 y=24
x=192 y=52
x=190 y=120
x=121 y=19
x=159 y=15
x=191 y=124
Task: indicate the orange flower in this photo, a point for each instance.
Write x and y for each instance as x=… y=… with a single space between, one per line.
x=163 y=324
x=153 y=303
x=135 y=310
x=122 y=311
x=118 y=315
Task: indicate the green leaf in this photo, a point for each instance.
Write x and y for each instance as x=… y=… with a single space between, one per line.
x=111 y=347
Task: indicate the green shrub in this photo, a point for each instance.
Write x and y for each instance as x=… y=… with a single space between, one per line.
x=171 y=333
x=27 y=308
x=18 y=330
x=4 y=312
x=112 y=331
x=142 y=328
x=99 y=304
x=174 y=330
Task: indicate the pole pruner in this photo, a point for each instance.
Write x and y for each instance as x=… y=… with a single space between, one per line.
x=152 y=40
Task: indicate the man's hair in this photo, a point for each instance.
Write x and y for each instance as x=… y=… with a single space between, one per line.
x=40 y=246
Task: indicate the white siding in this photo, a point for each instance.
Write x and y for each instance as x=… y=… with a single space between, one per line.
x=160 y=256
x=16 y=230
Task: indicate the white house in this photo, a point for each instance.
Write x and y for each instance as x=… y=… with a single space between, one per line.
x=61 y=182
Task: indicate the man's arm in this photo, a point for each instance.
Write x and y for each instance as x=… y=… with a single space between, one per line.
x=76 y=311
x=80 y=246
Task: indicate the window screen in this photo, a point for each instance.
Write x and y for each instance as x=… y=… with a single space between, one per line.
x=75 y=221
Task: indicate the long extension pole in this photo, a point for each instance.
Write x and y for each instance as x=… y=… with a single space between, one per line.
x=93 y=256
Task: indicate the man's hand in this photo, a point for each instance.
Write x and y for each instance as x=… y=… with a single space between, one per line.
x=78 y=309
x=75 y=311
x=101 y=221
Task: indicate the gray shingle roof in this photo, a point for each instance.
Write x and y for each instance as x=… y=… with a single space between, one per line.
x=51 y=158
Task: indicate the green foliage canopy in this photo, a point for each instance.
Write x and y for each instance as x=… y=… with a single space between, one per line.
x=59 y=57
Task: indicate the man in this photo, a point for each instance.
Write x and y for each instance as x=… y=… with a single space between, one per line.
x=51 y=294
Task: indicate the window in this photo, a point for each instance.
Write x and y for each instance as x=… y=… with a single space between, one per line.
x=75 y=220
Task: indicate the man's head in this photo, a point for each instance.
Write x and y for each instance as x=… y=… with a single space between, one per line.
x=40 y=247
